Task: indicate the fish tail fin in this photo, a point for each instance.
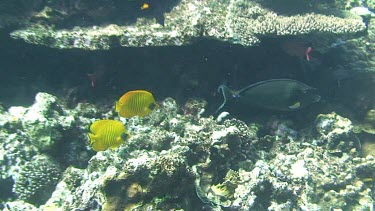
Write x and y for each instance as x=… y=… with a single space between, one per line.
x=92 y=138
x=117 y=106
x=227 y=95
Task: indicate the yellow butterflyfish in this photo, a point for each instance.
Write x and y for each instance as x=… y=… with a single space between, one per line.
x=136 y=103
x=106 y=134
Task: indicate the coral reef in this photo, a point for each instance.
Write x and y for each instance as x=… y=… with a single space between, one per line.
x=366 y=132
x=335 y=131
x=44 y=121
x=368 y=125
x=235 y=21
x=352 y=65
x=37 y=143
x=177 y=161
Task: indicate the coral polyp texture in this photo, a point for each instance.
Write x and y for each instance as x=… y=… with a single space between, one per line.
x=37 y=180
x=234 y=21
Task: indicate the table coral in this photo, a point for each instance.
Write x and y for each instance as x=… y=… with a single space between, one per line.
x=235 y=21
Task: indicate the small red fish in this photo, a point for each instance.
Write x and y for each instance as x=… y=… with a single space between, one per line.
x=307 y=53
x=297 y=49
x=92 y=78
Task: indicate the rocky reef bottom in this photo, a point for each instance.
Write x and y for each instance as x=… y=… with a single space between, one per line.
x=179 y=160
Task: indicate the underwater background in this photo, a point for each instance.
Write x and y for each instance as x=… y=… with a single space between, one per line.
x=254 y=105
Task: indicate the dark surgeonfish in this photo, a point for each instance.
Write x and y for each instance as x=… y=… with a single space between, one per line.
x=274 y=94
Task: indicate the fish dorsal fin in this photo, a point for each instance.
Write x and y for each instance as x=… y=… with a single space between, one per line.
x=227 y=94
x=96 y=125
x=272 y=80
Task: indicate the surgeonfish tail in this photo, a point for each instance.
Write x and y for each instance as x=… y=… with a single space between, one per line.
x=227 y=94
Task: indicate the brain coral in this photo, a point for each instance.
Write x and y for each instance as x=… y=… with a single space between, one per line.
x=37 y=180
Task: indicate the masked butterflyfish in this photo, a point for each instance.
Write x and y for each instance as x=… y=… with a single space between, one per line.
x=274 y=94
x=136 y=103
x=106 y=134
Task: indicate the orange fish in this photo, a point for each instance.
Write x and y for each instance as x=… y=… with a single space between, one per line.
x=136 y=103
x=145 y=6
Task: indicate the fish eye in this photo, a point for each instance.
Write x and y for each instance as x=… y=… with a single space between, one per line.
x=124 y=136
x=152 y=106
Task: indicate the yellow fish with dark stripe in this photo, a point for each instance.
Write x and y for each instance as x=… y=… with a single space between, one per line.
x=136 y=103
x=106 y=134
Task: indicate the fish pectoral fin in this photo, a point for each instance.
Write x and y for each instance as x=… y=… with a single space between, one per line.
x=116 y=145
x=119 y=141
x=295 y=105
